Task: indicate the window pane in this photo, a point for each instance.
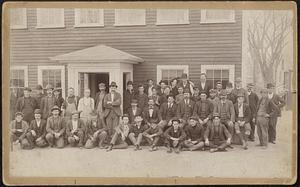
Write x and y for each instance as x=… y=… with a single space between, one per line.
x=218 y=14
x=50 y=16
x=225 y=74
x=217 y=74
x=210 y=74
x=172 y=16
x=130 y=16
x=165 y=74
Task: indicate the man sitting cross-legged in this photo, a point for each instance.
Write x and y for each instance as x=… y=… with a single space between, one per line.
x=75 y=130
x=174 y=136
x=118 y=140
x=194 y=135
x=153 y=135
x=216 y=135
x=37 y=130
x=136 y=132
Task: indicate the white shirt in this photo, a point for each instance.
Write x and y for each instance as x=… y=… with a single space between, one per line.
x=150 y=112
x=150 y=91
x=249 y=93
x=134 y=111
x=203 y=85
x=38 y=123
x=74 y=124
x=241 y=111
x=270 y=95
x=186 y=101
x=112 y=96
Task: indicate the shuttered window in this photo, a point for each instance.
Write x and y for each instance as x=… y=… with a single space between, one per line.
x=169 y=72
x=18 y=78
x=172 y=16
x=50 y=17
x=18 y=18
x=217 y=16
x=126 y=17
x=88 y=17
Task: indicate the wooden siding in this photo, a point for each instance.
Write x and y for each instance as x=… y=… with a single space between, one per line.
x=192 y=44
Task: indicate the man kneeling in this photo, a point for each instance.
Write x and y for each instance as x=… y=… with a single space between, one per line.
x=19 y=128
x=153 y=134
x=118 y=140
x=174 y=136
x=75 y=130
x=194 y=132
x=37 y=130
x=136 y=132
x=216 y=136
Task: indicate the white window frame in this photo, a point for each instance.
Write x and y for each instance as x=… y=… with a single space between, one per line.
x=159 y=69
x=117 y=21
x=24 y=25
x=161 y=22
x=77 y=19
x=203 y=18
x=25 y=69
x=38 y=20
x=63 y=78
x=231 y=69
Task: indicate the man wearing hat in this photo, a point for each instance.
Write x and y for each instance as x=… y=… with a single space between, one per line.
x=196 y=95
x=19 y=128
x=133 y=111
x=279 y=102
x=151 y=112
x=226 y=111
x=55 y=128
x=167 y=112
x=173 y=86
x=153 y=134
x=47 y=102
x=39 y=95
x=203 y=110
x=216 y=135
x=194 y=135
x=185 y=108
x=99 y=99
x=219 y=87
x=75 y=129
x=112 y=108
x=163 y=98
x=213 y=97
x=242 y=119
x=186 y=84
x=26 y=105
x=96 y=133
x=230 y=95
x=70 y=105
x=141 y=97
x=253 y=101
x=265 y=109
x=128 y=95
x=174 y=136
x=136 y=132
x=37 y=130
x=203 y=85
x=59 y=100
x=238 y=89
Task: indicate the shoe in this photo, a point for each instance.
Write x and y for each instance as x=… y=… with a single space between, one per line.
x=136 y=148
x=154 y=148
x=229 y=146
x=80 y=145
x=213 y=150
x=102 y=147
x=169 y=150
x=139 y=147
x=177 y=151
x=109 y=148
x=185 y=149
x=221 y=150
x=272 y=142
x=151 y=149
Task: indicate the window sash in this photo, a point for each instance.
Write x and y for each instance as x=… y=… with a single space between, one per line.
x=89 y=17
x=127 y=17
x=217 y=75
x=50 y=17
x=219 y=17
x=18 y=18
x=168 y=69
x=172 y=16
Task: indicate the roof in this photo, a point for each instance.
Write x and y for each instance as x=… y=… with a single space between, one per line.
x=99 y=53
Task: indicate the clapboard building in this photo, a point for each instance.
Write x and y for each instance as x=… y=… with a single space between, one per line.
x=81 y=47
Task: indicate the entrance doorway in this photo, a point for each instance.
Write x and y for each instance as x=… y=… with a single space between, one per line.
x=91 y=81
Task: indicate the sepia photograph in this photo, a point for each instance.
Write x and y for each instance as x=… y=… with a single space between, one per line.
x=149 y=93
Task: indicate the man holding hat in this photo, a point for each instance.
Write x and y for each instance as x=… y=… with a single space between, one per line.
x=239 y=90
x=133 y=111
x=216 y=135
x=128 y=95
x=47 y=102
x=37 y=130
x=136 y=132
x=174 y=136
x=194 y=135
x=203 y=110
x=185 y=108
x=204 y=86
x=253 y=101
x=75 y=130
x=226 y=111
x=19 y=128
x=186 y=84
x=55 y=128
x=26 y=105
x=39 y=95
x=141 y=97
x=265 y=109
x=167 y=112
x=112 y=108
x=242 y=118
x=279 y=102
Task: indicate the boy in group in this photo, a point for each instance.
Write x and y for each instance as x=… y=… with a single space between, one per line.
x=70 y=104
x=19 y=128
x=133 y=111
x=118 y=140
x=194 y=135
x=55 y=128
x=153 y=135
x=179 y=97
x=185 y=108
x=219 y=87
x=37 y=130
x=136 y=132
x=174 y=137
x=242 y=118
x=75 y=130
x=203 y=110
x=96 y=133
x=141 y=97
x=216 y=135
x=167 y=112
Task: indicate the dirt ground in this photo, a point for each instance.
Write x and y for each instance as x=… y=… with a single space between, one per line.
x=274 y=162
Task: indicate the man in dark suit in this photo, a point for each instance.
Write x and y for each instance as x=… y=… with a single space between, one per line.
x=203 y=110
x=37 y=130
x=141 y=97
x=196 y=95
x=253 y=101
x=151 y=113
x=174 y=136
x=230 y=95
x=75 y=130
x=185 y=108
x=279 y=102
x=136 y=131
x=162 y=86
x=186 y=84
x=242 y=118
x=167 y=112
x=133 y=111
x=203 y=85
x=112 y=108
x=39 y=95
x=128 y=95
x=99 y=101
x=48 y=102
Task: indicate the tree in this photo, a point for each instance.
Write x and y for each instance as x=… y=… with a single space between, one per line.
x=267 y=38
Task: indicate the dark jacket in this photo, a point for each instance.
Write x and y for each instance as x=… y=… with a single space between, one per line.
x=208 y=112
x=179 y=134
x=53 y=127
x=59 y=101
x=90 y=129
x=195 y=133
x=114 y=106
x=127 y=99
x=253 y=102
x=26 y=110
x=168 y=113
x=247 y=112
x=142 y=100
x=223 y=133
x=136 y=131
x=184 y=111
x=271 y=108
x=96 y=99
x=206 y=89
x=69 y=127
x=40 y=131
x=229 y=109
x=130 y=113
x=279 y=102
x=46 y=106
x=155 y=115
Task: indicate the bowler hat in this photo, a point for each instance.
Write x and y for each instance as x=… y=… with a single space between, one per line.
x=101 y=84
x=140 y=85
x=270 y=85
x=184 y=76
x=56 y=90
x=37 y=111
x=219 y=82
x=129 y=83
x=39 y=87
x=27 y=89
x=196 y=88
x=175 y=119
x=238 y=79
x=19 y=114
x=49 y=86
x=264 y=90
x=223 y=93
x=216 y=115
x=125 y=115
x=55 y=108
x=163 y=81
x=170 y=95
x=203 y=92
x=134 y=101
x=113 y=84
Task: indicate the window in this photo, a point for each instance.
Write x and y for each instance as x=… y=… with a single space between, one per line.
x=18 y=78
x=54 y=75
x=217 y=16
x=126 y=17
x=169 y=72
x=214 y=73
x=89 y=17
x=18 y=18
x=172 y=16
x=50 y=17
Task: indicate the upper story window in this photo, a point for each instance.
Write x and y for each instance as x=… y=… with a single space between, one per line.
x=126 y=17
x=50 y=17
x=87 y=17
x=172 y=16
x=18 y=18
x=217 y=16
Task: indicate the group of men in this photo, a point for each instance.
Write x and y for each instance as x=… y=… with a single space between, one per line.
x=182 y=116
